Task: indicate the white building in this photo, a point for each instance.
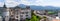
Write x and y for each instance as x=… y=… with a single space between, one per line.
x=0 y=18
x=15 y=13
x=21 y=13
x=5 y=13
x=59 y=14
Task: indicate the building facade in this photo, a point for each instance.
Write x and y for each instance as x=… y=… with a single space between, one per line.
x=16 y=13
x=20 y=13
x=59 y=13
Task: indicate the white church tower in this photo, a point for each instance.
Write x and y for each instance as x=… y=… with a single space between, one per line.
x=5 y=13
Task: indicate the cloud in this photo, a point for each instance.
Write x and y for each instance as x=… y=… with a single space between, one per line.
x=48 y=2
x=24 y=2
x=42 y=2
x=1 y=4
x=12 y=3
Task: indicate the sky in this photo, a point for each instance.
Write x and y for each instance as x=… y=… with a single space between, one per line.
x=13 y=3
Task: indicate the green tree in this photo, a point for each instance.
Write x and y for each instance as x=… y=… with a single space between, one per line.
x=34 y=18
x=44 y=18
x=27 y=19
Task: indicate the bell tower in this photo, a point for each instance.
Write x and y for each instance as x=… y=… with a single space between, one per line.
x=4 y=6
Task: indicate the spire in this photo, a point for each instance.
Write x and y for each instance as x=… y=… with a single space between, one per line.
x=4 y=6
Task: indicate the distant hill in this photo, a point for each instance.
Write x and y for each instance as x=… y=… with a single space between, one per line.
x=33 y=7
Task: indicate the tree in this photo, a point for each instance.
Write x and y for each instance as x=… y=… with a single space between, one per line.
x=34 y=18
x=44 y=18
x=27 y=19
x=39 y=17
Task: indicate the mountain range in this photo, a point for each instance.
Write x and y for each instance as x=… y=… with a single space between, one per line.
x=33 y=7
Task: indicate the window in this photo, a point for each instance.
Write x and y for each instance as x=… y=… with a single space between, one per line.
x=26 y=12
x=26 y=15
x=11 y=15
x=21 y=18
x=16 y=16
x=21 y=15
x=11 y=10
x=22 y=12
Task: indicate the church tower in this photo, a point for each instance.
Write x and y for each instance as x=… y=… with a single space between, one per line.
x=5 y=13
x=4 y=6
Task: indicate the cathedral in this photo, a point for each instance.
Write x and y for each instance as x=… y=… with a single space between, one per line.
x=15 y=14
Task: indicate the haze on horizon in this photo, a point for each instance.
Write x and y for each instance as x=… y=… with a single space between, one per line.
x=12 y=3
